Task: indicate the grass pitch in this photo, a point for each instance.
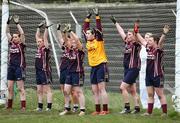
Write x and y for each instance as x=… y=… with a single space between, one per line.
x=116 y=105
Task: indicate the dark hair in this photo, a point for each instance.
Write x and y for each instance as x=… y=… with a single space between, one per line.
x=19 y=35
x=91 y=30
x=155 y=37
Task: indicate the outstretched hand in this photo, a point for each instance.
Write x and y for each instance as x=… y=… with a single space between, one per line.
x=89 y=13
x=136 y=26
x=166 y=29
x=9 y=19
x=69 y=27
x=41 y=24
x=96 y=11
x=58 y=26
x=113 y=19
x=47 y=26
x=16 y=19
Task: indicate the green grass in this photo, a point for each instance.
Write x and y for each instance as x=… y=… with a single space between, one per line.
x=116 y=104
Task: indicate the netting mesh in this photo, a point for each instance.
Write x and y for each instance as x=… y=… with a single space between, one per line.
x=152 y=19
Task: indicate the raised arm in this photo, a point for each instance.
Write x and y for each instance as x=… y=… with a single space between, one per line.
x=45 y=37
x=77 y=40
x=66 y=40
x=99 y=34
x=86 y=24
x=162 y=38
x=38 y=34
x=98 y=20
x=8 y=34
x=139 y=38
x=74 y=37
x=119 y=28
x=59 y=34
x=66 y=36
x=16 y=20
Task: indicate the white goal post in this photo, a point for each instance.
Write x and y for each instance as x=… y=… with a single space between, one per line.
x=4 y=52
x=176 y=97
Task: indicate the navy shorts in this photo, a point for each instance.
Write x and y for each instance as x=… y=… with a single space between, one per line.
x=16 y=73
x=43 y=77
x=157 y=81
x=99 y=74
x=130 y=75
x=75 y=79
x=63 y=74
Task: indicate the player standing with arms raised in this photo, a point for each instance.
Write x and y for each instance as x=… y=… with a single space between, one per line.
x=16 y=64
x=98 y=61
x=132 y=64
x=155 y=68
x=43 y=68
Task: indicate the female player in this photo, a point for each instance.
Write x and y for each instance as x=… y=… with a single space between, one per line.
x=143 y=90
x=98 y=61
x=43 y=68
x=131 y=64
x=16 y=65
x=64 y=61
x=155 y=68
x=75 y=72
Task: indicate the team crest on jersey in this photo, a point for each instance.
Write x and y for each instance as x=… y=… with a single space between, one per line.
x=151 y=53
x=151 y=56
x=14 y=50
x=128 y=48
x=65 y=54
x=72 y=56
x=91 y=46
x=38 y=55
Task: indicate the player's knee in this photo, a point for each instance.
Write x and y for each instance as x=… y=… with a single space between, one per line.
x=10 y=89
x=63 y=92
x=79 y=94
x=45 y=91
x=75 y=93
x=39 y=92
x=150 y=95
x=161 y=97
x=122 y=89
x=49 y=92
x=66 y=92
x=102 y=90
x=21 y=90
x=95 y=92
x=133 y=92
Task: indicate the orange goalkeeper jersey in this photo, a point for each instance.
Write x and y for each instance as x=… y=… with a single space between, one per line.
x=96 y=52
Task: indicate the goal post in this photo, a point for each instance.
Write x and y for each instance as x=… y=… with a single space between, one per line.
x=78 y=26
x=176 y=97
x=4 y=52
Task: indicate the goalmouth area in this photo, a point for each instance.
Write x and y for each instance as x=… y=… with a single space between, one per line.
x=152 y=17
